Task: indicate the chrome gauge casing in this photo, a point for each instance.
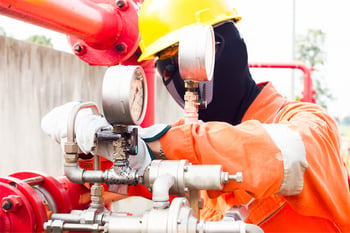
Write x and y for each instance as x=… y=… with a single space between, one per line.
x=124 y=95
x=197 y=53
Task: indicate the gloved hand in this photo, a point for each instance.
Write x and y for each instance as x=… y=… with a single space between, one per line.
x=142 y=159
x=87 y=124
x=145 y=155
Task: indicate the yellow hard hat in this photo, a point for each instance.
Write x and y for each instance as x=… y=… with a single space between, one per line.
x=160 y=21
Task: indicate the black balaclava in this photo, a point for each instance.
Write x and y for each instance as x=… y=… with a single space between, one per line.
x=233 y=88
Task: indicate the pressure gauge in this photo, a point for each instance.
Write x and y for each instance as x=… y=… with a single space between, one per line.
x=197 y=53
x=124 y=95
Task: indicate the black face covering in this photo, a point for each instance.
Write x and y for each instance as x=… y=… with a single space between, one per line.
x=234 y=89
x=169 y=70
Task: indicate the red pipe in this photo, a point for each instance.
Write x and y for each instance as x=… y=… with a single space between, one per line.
x=308 y=93
x=148 y=67
x=150 y=111
x=82 y=19
x=101 y=32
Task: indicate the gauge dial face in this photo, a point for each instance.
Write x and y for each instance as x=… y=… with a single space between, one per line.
x=124 y=95
x=137 y=96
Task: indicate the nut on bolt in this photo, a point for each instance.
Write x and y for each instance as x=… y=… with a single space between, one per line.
x=11 y=203
x=122 y=47
x=6 y=205
x=79 y=49
x=121 y=4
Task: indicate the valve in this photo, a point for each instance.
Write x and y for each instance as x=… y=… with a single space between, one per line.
x=161 y=177
x=178 y=217
x=189 y=176
x=33 y=202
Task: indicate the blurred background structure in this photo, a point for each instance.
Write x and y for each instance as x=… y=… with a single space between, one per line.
x=35 y=78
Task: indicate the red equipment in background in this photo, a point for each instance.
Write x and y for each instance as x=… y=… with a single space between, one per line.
x=28 y=199
x=308 y=92
x=105 y=32
x=101 y=32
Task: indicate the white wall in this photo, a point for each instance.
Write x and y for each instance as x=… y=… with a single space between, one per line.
x=33 y=80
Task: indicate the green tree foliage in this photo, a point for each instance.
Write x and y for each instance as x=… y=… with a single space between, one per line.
x=310 y=51
x=40 y=39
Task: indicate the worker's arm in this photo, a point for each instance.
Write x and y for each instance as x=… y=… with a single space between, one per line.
x=314 y=182
x=245 y=148
x=325 y=190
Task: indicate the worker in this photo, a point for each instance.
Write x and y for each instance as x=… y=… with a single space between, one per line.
x=294 y=179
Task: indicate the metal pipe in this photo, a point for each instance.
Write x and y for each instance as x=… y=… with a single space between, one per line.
x=228 y=227
x=191 y=102
x=71 y=218
x=82 y=227
x=187 y=176
x=34 y=180
x=74 y=173
x=161 y=189
x=126 y=224
x=73 y=114
x=79 y=176
x=221 y=227
x=60 y=226
x=308 y=93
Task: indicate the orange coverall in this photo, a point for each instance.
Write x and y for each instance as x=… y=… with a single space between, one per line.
x=310 y=195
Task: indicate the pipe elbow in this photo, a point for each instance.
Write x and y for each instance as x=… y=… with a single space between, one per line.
x=161 y=187
x=74 y=173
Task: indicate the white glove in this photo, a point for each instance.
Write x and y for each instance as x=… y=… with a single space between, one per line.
x=144 y=155
x=140 y=161
x=85 y=131
x=55 y=122
x=87 y=124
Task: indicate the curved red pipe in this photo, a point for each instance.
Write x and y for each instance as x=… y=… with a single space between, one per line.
x=308 y=92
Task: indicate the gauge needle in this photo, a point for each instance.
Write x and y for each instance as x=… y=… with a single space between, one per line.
x=136 y=91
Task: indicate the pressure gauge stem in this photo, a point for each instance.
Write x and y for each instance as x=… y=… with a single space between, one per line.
x=191 y=102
